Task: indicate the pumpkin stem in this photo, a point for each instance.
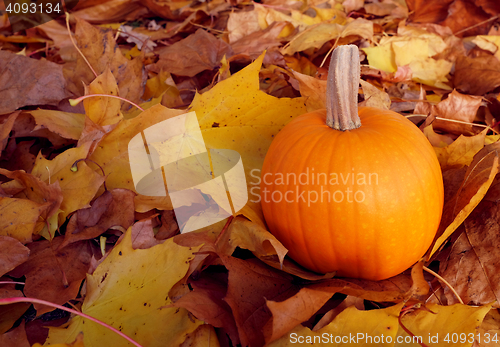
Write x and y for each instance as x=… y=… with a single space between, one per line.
x=342 y=89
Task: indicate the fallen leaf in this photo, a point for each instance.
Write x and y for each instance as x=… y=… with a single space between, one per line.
x=77 y=188
x=142 y=277
x=363 y=328
x=313 y=89
x=15 y=337
x=206 y=302
x=247 y=235
x=476 y=76
x=65 y=124
x=102 y=110
x=461 y=152
x=247 y=120
x=19 y=225
x=102 y=52
x=13 y=254
x=458 y=107
x=111 y=209
x=375 y=97
x=478 y=179
x=51 y=275
x=196 y=53
x=438 y=323
x=5 y=130
x=27 y=81
x=251 y=283
x=476 y=248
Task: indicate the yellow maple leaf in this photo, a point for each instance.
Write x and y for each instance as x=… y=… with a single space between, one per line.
x=129 y=291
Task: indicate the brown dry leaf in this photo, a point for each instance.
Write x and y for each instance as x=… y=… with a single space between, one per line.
x=5 y=129
x=15 y=337
x=53 y=275
x=110 y=11
x=477 y=76
x=241 y=24
x=206 y=302
x=375 y=97
x=65 y=124
x=196 y=53
x=478 y=179
x=461 y=152
x=459 y=107
x=247 y=235
x=113 y=208
x=27 y=81
x=13 y=254
x=257 y=42
x=102 y=52
x=478 y=247
x=456 y=14
x=9 y=314
x=250 y=284
x=313 y=89
x=291 y=312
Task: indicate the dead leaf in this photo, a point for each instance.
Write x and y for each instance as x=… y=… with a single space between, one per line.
x=113 y=208
x=461 y=152
x=250 y=284
x=458 y=107
x=198 y=52
x=143 y=278
x=436 y=322
x=476 y=248
x=13 y=254
x=247 y=235
x=477 y=76
x=15 y=337
x=6 y=128
x=478 y=179
x=102 y=52
x=313 y=89
x=54 y=276
x=27 y=81
x=65 y=124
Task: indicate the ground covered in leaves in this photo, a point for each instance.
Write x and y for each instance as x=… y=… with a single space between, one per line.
x=74 y=231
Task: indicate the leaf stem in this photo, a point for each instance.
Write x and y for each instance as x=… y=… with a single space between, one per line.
x=445 y=282
x=342 y=89
x=74 y=102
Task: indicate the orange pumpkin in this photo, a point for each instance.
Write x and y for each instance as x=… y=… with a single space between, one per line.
x=364 y=200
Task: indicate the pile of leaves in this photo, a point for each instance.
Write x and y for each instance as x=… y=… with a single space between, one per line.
x=74 y=231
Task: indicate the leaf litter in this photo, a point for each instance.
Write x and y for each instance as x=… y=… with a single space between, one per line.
x=246 y=69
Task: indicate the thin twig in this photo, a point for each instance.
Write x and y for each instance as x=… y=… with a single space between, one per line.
x=74 y=44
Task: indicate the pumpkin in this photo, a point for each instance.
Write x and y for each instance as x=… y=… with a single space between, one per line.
x=355 y=192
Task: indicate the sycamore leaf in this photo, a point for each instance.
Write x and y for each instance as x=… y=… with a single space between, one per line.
x=129 y=290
